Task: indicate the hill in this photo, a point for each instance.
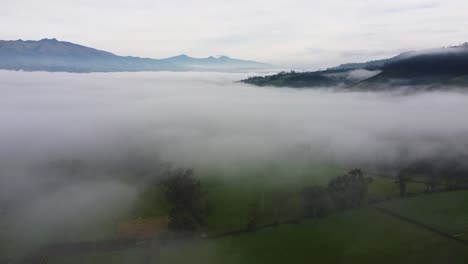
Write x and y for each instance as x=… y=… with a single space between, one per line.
x=60 y=56
x=429 y=68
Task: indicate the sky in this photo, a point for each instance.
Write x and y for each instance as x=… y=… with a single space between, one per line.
x=305 y=34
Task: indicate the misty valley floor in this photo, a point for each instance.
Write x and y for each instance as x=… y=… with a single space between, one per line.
x=246 y=144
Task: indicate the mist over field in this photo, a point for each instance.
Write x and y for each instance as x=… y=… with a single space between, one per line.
x=115 y=124
x=210 y=119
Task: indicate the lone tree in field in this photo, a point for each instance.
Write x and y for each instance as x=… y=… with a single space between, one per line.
x=189 y=206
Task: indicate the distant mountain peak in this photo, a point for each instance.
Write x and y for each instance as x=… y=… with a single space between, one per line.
x=50 y=54
x=182 y=56
x=185 y=56
x=48 y=40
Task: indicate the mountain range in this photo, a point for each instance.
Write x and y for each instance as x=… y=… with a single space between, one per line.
x=431 y=68
x=60 y=56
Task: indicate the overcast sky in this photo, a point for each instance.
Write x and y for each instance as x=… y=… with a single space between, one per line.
x=292 y=33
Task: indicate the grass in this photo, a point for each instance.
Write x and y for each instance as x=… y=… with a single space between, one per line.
x=358 y=236
x=363 y=236
x=445 y=211
x=383 y=188
x=129 y=256
x=276 y=192
x=276 y=189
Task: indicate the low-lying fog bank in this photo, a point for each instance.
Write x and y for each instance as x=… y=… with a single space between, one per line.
x=208 y=118
x=125 y=123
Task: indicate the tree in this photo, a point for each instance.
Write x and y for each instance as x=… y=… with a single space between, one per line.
x=349 y=190
x=253 y=217
x=402 y=179
x=189 y=206
x=436 y=173
x=317 y=201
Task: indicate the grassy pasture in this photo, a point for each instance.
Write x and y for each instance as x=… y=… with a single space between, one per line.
x=362 y=235
x=357 y=236
x=446 y=211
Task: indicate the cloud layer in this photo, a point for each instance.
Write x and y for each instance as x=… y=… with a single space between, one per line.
x=206 y=117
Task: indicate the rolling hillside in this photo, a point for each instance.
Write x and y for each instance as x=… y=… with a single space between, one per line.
x=433 y=68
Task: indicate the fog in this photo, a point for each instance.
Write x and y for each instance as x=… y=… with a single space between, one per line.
x=127 y=123
x=355 y=75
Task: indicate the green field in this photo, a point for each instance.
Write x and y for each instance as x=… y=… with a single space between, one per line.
x=277 y=193
x=360 y=236
x=276 y=190
x=357 y=236
x=445 y=211
x=383 y=188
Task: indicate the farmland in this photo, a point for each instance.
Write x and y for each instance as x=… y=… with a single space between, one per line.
x=363 y=235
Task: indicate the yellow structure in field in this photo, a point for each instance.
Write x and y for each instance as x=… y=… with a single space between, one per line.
x=147 y=227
